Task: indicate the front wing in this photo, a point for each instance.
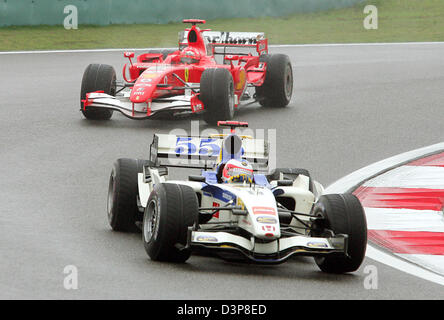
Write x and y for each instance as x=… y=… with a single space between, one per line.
x=144 y=110
x=273 y=252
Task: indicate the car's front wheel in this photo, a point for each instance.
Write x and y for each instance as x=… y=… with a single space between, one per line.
x=171 y=209
x=97 y=77
x=343 y=214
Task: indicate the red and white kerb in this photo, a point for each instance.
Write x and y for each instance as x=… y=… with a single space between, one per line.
x=404 y=210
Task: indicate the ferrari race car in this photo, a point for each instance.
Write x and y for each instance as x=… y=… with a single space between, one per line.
x=190 y=80
x=235 y=209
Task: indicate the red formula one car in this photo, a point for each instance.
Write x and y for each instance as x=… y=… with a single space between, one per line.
x=190 y=79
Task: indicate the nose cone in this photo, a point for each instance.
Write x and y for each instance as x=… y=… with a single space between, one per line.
x=144 y=87
x=139 y=93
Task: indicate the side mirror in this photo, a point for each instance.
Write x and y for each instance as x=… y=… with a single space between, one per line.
x=285 y=183
x=175 y=59
x=128 y=54
x=197 y=178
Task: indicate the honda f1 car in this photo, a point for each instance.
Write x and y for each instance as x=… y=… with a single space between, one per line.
x=190 y=80
x=235 y=209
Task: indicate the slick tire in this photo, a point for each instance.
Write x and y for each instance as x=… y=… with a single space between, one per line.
x=343 y=214
x=122 y=209
x=97 y=77
x=277 y=89
x=217 y=95
x=171 y=209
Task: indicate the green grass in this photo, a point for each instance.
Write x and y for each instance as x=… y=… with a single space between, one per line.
x=399 y=21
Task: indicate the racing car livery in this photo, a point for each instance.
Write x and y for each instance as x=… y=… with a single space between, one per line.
x=190 y=80
x=235 y=209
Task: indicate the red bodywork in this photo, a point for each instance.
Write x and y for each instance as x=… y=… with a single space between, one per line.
x=152 y=76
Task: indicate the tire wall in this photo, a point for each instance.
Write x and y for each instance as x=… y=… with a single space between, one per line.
x=104 y=12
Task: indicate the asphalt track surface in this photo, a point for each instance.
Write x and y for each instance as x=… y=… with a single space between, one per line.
x=352 y=106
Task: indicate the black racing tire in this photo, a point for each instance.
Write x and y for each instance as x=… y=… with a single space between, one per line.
x=217 y=95
x=289 y=174
x=122 y=209
x=95 y=78
x=343 y=214
x=277 y=89
x=171 y=209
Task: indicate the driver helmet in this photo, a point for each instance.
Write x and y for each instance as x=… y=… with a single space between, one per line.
x=237 y=171
x=189 y=56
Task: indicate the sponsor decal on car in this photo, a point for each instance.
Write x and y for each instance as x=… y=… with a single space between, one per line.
x=186 y=74
x=268 y=228
x=227 y=196
x=216 y=214
x=266 y=220
x=242 y=79
x=198 y=107
x=264 y=210
x=240 y=203
x=206 y=238
x=317 y=244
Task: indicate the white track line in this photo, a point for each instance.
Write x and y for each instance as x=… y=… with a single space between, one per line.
x=404 y=219
x=271 y=46
x=365 y=173
x=403 y=265
x=352 y=180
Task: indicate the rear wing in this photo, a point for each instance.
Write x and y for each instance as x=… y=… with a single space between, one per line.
x=221 y=39
x=203 y=152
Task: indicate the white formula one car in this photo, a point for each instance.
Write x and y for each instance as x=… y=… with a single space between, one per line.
x=235 y=208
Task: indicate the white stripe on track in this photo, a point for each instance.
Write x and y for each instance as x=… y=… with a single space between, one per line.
x=271 y=46
x=430 y=261
x=355 y=178
x=404 y=219
x=403 y=265
x=410 y=177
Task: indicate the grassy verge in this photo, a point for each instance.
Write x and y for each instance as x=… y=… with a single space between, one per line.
x=399 y=21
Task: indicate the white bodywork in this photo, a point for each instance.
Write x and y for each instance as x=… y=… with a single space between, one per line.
x=262 y=220
x=257 y=206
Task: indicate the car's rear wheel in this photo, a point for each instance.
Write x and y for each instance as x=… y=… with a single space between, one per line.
x=123 y=212
x=343 y=214
x=217 y=95
x=97 y=77
x=277 y=89
x=171 y=209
